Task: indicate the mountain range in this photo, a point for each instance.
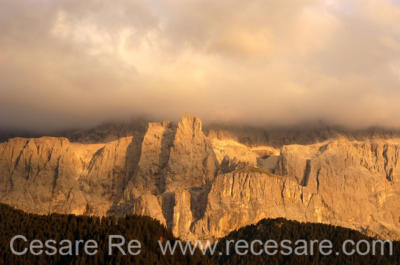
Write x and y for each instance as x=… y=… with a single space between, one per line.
x=203 y=185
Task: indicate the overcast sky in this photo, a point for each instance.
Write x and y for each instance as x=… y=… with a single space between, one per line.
x=68 y=63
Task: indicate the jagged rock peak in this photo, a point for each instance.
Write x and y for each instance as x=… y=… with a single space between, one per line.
x=192 y=160
x=190 y=124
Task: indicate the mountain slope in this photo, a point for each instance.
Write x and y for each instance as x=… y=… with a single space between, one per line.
x=299 y=237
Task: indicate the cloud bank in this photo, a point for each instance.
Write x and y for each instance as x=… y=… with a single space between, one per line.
x=68 y=63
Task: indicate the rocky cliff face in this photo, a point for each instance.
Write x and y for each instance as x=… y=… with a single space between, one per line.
x=204 y=187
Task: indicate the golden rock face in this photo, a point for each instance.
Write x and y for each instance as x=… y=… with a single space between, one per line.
x=204 y=187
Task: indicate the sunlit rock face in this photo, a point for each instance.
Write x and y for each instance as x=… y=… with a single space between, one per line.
x=203 y=187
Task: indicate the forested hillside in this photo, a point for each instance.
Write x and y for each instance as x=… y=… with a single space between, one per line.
x=281 y=229
x=149 y=231
x=144 y=229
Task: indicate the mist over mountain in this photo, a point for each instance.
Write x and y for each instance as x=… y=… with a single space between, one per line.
x=296 y=117
x=72 y=64
x=259 y=134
